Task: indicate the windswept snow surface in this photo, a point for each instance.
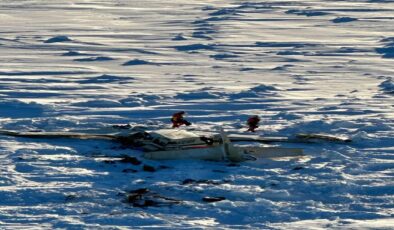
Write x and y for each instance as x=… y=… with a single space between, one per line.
x=303 y=66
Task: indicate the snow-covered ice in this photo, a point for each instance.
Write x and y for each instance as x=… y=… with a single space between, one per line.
x=302 y=66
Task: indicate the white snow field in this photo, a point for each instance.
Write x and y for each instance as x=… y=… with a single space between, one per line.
x=303 y=66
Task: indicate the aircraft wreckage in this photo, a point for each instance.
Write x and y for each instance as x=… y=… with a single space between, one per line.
x=172 y=144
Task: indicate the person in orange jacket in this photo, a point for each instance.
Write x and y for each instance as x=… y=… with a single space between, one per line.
x=253 y=122
x=178 y=120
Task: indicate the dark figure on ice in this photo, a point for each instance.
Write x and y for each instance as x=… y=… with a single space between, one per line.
x=253 y=122
x=178 y=120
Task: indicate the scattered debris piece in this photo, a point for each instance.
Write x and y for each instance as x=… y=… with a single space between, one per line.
x=164 y=167
x=70 y=198
x=148 y=168
x=213 y=199
x=192 y=181
x=143 y=198
x=297 y=168
x=128 y=126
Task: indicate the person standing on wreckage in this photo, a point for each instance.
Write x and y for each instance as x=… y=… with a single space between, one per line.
x=178 y=120
x=253 y=122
